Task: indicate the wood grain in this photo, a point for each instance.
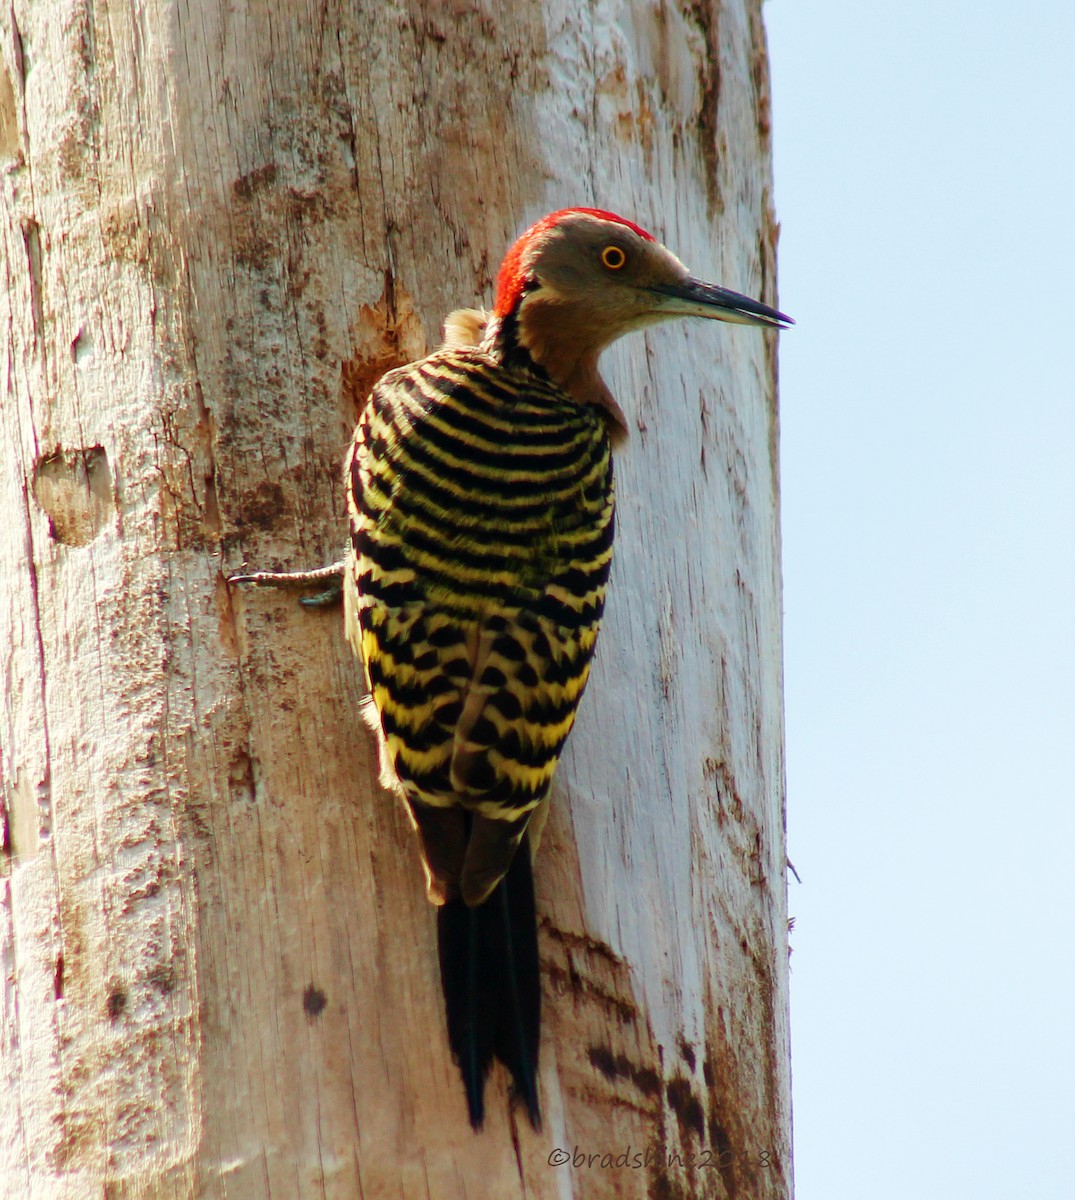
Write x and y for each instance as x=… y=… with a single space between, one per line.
x=220 y=223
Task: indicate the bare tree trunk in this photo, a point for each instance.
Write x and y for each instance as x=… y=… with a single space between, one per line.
x=220 y=224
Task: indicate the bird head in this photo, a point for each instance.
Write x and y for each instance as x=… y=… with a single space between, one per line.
x=580 y=278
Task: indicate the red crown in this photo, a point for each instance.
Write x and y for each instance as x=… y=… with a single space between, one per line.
x=512 y=278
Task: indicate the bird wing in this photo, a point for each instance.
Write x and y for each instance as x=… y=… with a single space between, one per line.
x=473 y=716
x=520 y=704
x=477 y=581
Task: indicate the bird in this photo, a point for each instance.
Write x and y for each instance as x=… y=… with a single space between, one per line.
x=481 y=504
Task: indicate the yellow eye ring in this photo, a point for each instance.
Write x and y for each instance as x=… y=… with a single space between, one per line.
x=613 y=257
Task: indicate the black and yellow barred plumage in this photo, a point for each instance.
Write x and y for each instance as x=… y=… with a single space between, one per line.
x=481 y=501
x=482 y=518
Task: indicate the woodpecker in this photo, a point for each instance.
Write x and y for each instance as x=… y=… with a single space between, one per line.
x=481 y=504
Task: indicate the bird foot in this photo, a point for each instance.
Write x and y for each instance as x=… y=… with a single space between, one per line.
x=332 y=574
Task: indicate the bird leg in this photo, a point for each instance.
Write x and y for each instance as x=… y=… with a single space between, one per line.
x=332 y=574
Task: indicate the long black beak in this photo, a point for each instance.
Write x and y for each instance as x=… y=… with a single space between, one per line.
x=693 y=298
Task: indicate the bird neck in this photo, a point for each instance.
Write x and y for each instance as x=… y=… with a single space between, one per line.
x=544 y=339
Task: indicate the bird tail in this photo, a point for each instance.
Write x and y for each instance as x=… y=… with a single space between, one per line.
x=491 y=981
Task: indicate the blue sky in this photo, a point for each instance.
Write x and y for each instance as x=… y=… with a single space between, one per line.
x=925 y=184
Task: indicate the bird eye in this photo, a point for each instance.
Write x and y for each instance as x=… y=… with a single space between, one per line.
x=613 y=257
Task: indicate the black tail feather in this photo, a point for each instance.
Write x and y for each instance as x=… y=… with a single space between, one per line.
x=491 y=981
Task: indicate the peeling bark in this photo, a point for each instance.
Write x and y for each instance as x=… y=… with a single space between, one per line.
x=220 y=224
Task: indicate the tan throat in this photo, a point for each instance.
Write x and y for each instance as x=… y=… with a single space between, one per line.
x=568 y=343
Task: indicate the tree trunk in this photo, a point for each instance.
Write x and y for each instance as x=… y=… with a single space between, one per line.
x=220 y=224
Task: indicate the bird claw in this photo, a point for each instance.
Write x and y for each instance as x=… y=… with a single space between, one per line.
x=330 y=596
x=331 y=574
